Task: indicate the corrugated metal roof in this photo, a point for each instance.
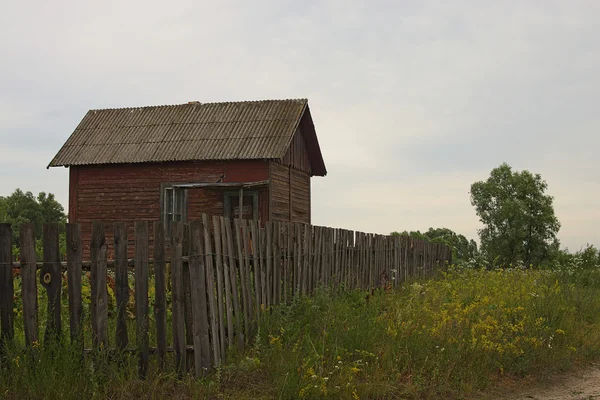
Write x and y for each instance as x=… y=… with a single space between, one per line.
x=210 y=131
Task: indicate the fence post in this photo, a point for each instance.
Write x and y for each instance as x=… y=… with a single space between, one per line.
x=160 y=293
x=6 y=287
x=210 y=284
x=50 y=277
x=28 y=282
x=74 y=260
x=197 y=272
x=141 y=295
x=178 y=297
x=121 y=283
x=99 y=307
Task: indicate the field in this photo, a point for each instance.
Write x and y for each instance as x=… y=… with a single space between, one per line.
x=455 y=336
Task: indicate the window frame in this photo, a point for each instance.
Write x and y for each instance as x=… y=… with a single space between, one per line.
x=229 y=194
x=164 y=214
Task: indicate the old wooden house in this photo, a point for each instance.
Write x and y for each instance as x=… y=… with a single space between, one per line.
x=176 y=162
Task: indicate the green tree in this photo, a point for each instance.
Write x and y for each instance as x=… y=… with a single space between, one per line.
x=518 y=217
x=463 y=249
x=22 y=207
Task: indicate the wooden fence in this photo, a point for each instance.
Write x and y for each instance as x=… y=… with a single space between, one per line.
x=223 y=273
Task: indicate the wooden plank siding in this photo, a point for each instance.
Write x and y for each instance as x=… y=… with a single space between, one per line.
x=131 y=192
x=297 y=154
x=300 y=196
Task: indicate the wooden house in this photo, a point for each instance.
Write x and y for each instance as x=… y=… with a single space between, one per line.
x=176 y=162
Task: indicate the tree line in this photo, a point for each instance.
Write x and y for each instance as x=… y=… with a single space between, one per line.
x=519 y=226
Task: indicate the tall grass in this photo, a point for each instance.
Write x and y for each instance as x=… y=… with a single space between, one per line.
x=443 y=338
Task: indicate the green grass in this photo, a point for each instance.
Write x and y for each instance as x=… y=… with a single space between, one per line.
x=449 y=337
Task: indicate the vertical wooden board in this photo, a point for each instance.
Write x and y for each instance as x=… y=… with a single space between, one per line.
x=396 y=267
x=226 y=279
x=220 y=284
x=269 y=271
x=246 y=250
x=28 y=282
x=277 y=264
x=160 y=293
x=234 y=286
x=317 y=251
x=241 y=266
x=99 y=294
x=289 y=237
x=177 y=297
x=187 y=294
x=199 y=305
x=344 y=257
x=51 y=280
x=255 y=264
x=262 y=234
x=306 y=258
x=74 y=263
x=6 y=288
x=210 y=288
x=141 y=295
x=297 y=257
x=352 y=260
x=121 y=283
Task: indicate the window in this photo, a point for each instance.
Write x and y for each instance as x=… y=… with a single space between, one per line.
x=173 y=207
x=231 y=205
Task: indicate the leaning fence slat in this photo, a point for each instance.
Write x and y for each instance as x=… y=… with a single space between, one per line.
x=74 y=261
x=242 y=269
x=246 y=251
x=277 y=263
x=6 y=287
x=255 y=265
x=177 y=296
x=228 y=284
x=99 y=306
x=268 y=281
x=51 y=280
x=235 y=296
x=220 y=284
x=121 y=283
x=210 y=288
x=187 y=294
x=288 y=259
x=28 y=283
x=141 y=295
x=160 y=293
x=198 y=297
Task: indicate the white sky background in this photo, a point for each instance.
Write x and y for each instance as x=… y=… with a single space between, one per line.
x=413 y=101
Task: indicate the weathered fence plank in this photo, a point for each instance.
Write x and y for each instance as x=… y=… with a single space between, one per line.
x=141 y=296
x=187 y=295
x=74 y=262
x=121 y=283
x=242 y=268
x=177 y=297
x=233 y=280
x=198 y=296
x=160 y=293
x=210 y=288
x=28 y=283
x=99 y=306
x=228 y=284
x=51 y=280
x=220 y=285
x=6 y=287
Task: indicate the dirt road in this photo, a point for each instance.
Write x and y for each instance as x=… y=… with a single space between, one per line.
x=577 y=385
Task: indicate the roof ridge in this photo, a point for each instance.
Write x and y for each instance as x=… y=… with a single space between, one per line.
x=299 y=100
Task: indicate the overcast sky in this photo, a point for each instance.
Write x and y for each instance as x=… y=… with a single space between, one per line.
x=413 y=101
